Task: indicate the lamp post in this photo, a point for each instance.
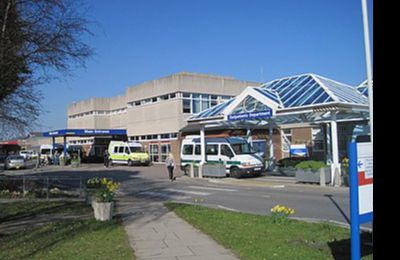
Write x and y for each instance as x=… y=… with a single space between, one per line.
x=368 y=66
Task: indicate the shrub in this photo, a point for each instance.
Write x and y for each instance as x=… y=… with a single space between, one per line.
x=312 y=165
x=291 y=161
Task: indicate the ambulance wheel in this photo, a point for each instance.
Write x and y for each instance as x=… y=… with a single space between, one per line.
x=235 y=172
x=130 y=163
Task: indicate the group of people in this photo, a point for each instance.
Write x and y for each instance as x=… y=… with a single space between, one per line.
x=170 y=163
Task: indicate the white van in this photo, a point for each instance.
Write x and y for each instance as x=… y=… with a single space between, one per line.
x=234 y=152
x=127 y=153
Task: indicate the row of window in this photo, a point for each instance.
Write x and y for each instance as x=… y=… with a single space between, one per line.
x=153 y=100
x=193 y=103
x=82 y=141
x=211 y=149
x=167 y=136
x=99 y=113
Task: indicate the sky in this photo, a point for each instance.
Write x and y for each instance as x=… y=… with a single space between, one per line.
x=255 y=40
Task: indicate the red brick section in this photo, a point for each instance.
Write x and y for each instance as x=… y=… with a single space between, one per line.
x=302 y=136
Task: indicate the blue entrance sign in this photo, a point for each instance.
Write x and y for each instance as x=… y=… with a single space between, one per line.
x=361 y=191
x=299 y=150
x=84 y=132
x=251 y=115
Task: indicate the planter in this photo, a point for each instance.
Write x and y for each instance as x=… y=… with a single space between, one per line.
x=75 y=164
x=313 y=177
x=287 y=171
x=103 y=210
x=214 y=170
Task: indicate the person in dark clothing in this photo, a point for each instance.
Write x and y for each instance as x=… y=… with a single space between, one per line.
x=106 y=159
x=170 y=162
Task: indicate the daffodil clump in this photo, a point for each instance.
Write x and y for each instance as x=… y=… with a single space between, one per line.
x=280 y=213
x=107 y=190
x=93 y=183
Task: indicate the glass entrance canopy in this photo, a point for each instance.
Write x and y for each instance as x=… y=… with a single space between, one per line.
x=302 y=98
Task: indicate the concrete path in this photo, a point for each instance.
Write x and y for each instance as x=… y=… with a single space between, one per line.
x=156 y=233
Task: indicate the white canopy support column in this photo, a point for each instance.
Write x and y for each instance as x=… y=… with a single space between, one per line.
x=335 y=166
x=328 y=149
x=271 y=147
x=203 y=150
x=249 y=137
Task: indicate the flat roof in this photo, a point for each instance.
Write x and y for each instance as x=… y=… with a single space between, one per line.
x=84 y=132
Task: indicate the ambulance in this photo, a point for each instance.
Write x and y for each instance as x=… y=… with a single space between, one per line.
x=127 y=153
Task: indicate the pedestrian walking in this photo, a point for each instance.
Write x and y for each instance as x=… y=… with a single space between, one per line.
x=170 y=162
x=106 y=158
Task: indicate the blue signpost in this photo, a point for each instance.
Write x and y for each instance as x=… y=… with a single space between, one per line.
x=361 y=191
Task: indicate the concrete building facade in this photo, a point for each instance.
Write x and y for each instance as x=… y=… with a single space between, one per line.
x=153 y=112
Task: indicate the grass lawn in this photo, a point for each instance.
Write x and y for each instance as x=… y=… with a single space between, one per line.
x=257 y=237
x=77 y=238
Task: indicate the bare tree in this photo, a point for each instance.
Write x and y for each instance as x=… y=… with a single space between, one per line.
x=40 y=40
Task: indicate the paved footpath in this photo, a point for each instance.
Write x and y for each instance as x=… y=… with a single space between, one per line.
x=154 y=232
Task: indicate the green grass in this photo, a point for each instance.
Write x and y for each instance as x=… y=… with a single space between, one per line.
x=62 y=239
x=257 y=237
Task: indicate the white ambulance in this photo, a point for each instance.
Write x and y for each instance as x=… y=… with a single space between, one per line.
x=234 y=152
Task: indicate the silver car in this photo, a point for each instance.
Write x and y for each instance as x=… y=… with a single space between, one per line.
x=14 y=162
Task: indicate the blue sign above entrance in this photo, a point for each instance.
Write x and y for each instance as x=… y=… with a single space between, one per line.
x=84 y=132
x=251 y=115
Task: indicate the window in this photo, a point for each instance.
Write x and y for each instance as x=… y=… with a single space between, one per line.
x=187 y=149
x=196 y=103
x=225 y=150
x=174 y=135
x=212 y=149
x=164 y=136
x=165 y=150
x=197 y=150
x=186 y=106
x=242 y=148
x=318 y=140
x=164 y=97
x=154 y=157
x=127 y=150
x=173 y=95
x=154 y=99
x=286 y=139
x=121 y=149
x=116 y=149
x=205 y=102
x=137 y=103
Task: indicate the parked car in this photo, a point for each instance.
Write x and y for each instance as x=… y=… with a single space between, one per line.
x=27 y=154
x=14 y=162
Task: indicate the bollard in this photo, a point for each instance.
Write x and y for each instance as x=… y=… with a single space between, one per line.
x=322 y=181
x=337 y=178
x=201 y=170
x=191 y=170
